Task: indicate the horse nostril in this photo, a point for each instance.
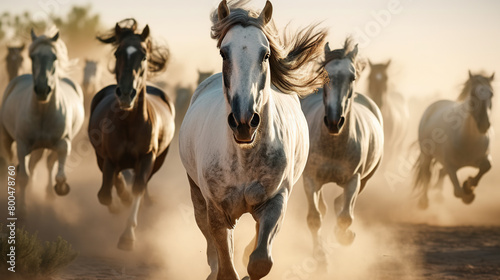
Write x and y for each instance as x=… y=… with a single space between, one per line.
x=231 y=121
x=325 y=119
x=118 y=92
x=341 y=123
x=134 y=92
x=255 y=121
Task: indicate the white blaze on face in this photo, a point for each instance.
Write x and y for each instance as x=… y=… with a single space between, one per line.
x=246 y=46
x=130 y=50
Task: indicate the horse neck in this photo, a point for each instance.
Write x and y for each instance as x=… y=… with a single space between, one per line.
x=469 y=128
x=377 y=91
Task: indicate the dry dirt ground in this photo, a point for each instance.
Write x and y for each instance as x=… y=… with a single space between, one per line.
x=394 y=240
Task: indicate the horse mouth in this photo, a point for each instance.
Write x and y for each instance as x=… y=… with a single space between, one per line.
x=245 y=141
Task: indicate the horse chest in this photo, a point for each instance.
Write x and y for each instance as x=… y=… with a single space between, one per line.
x=259 y=173
x=50 y=129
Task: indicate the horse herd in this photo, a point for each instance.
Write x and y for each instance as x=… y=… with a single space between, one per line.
x=246 y=137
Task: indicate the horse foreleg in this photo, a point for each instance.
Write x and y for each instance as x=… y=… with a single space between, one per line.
x=200 y=214
x=63 y=149
x=22 y=176
x=143 y=171
x=222 y=233
x=270 y=217
x=5 y=152
x=314 y=218
x=121 y=189
x=471 y=183
x=346 y=216
x=108 y=173
x=457 y=189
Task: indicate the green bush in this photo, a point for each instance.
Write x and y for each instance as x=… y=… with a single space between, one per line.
x=34 y=259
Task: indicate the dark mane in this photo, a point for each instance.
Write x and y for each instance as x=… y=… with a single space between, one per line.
x=291 y=56
x=157 y=55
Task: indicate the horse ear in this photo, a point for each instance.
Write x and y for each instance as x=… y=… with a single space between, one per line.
x=33 y=35
x=370 y=63
x=327 y=48
x=492 y=77
x=53 y=39
x=145 y=33
x=267 y=13
x=118 y=30
x=388 y=63
x=223 y=10
x=352 y=55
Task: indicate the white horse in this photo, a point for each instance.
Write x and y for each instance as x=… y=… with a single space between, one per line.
x=393 y=106
x=347 y=140
x=43 y=110
x=456 y=134
x=244 y=139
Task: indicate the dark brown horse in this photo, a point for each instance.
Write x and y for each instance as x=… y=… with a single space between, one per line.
x=131 y=125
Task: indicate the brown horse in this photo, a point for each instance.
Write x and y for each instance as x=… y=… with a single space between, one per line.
x=131 y=125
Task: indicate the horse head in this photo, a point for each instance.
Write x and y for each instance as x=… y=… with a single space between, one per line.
x=481 y=93
x=338 y=91
x=378 y=81
x=43 y=54
x=245 y=52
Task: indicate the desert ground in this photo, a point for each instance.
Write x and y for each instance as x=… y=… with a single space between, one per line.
x=394 y=239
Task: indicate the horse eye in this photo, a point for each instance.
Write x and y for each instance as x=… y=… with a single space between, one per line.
x=223 y=55
x=266 y=57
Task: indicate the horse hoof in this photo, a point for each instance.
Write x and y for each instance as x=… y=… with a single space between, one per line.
x=468 y=186
x=345 y=238
x=468 y=198
x=104 y=198
x=260 y=264
x=61 y=189
x=126 y=244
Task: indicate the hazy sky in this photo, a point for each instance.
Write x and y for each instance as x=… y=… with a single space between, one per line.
x=432 y=44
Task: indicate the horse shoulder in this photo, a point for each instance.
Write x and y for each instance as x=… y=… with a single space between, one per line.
x=26 y=79
x=73 y=85
x=212 y=81
x=369 y=104
x=99 y=96
x=152 y=90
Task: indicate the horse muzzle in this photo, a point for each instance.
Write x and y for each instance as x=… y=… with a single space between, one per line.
x=125 y=101
x=42 y=93
x=244 y=132
x=334 y=126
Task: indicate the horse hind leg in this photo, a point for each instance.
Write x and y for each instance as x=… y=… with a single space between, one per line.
x=439 y=185
x=201 y=217
x=345 y=217
x=314 y=219
x=471 y=183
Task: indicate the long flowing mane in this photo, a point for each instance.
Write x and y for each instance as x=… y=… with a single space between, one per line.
x=471 y=83
x=63 y=63
x=291 y=57
x=342 y=53
x=158 y=55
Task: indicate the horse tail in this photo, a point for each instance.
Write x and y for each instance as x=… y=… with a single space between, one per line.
x=423 y=172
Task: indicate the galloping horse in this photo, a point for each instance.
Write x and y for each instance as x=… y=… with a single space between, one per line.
x=14 y=61
x=346 y=144
x=131 y=125
x=456 y=134
x=91 y=78
x=393 y=107
x=43 y=110
x=244 y=140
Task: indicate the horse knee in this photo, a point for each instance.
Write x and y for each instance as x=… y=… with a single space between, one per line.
x=314 y=220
